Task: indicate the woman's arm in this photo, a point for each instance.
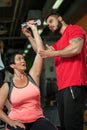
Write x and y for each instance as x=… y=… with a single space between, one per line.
x=3 y=116
x=3 y=97
x=8 y=105
x=32 y=41
x=36 y=69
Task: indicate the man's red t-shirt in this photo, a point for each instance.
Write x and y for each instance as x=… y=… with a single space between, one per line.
x=71 y=71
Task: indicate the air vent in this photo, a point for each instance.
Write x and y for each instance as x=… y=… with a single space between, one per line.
x=5 y=3
x=3 y=30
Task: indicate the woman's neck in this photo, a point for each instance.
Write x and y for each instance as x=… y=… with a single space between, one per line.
x=19 y=75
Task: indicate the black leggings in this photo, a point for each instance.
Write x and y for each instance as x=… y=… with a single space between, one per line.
x=40 y=124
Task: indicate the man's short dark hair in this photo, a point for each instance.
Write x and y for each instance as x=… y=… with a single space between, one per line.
x=55 y=14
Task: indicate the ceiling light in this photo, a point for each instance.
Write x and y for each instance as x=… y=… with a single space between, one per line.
x=40 y=31
x=28 y=46
x=26 y=51
x=24 y=54
x=57 y=4
x=44 y=23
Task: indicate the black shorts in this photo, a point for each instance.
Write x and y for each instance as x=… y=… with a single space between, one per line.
x=40 y=124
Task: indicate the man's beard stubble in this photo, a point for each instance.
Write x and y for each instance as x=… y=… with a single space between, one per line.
x=59 y=25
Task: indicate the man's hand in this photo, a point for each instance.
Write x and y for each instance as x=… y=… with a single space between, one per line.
x=49 y=52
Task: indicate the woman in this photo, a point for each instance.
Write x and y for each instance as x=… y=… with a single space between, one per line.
x=26 y=112
x=2 y=67
x=2 y=73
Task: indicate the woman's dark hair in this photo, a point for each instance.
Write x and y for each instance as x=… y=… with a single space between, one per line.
x=10 y=59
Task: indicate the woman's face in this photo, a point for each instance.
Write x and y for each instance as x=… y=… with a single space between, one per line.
x=20 y=63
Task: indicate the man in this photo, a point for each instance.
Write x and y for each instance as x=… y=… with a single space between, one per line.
x=69 y=54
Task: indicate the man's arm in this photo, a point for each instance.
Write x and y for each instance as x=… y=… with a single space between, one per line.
x=72 y=49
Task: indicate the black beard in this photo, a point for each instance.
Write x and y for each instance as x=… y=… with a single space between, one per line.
x=59 y=25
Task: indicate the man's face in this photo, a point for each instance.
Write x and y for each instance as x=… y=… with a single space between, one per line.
x=53 y=23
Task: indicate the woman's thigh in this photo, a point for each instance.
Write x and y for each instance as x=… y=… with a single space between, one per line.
x=43 y=124
x=40 y=124
x=12 y=128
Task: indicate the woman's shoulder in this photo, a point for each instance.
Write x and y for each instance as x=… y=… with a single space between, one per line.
x=4 y=89
x=5 y=85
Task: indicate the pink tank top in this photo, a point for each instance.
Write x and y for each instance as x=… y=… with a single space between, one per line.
x=26 y=105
